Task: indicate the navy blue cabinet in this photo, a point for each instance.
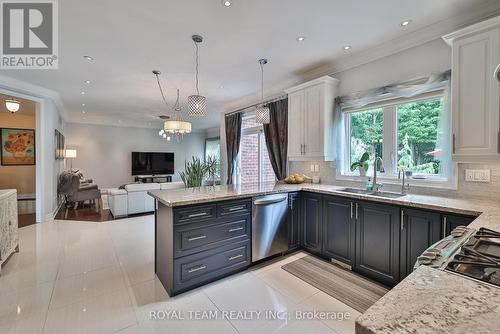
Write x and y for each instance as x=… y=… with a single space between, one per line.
x=339 y=228
x=294 y=220
x=197 y=244
x=377 y=241
x=449 y=222
x=311 y=224
x=419 y=230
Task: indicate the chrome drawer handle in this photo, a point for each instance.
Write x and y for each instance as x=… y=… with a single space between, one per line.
x=235 y=208
x=197 y=214
x=235 y=257
x=197 y=238
x=236 y=229
x=197 y=269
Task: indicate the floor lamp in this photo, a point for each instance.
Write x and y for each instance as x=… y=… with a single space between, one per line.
x=70 y=154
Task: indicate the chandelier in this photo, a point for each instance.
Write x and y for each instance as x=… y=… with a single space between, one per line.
x=12 y=105
x=197 y=104
x=176 y=126
x=262 y=114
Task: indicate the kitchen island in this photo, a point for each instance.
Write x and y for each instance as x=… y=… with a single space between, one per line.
x=407 y=313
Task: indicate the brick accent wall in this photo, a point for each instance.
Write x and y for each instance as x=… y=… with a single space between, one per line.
x=249 y=156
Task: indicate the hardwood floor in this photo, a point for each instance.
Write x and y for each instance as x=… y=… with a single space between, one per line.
x=89 y=213
x=26 y=219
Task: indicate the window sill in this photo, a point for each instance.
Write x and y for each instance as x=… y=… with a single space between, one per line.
x=441 y=183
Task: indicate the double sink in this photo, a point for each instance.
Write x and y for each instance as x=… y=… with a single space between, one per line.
x=384 y=194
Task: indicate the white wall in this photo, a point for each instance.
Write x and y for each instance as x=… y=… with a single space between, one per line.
x=48 y=118
x=104 y=152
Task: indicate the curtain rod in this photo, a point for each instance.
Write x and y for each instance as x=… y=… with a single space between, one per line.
x=280 y=97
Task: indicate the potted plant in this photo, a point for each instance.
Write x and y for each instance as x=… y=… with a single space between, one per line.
x=194 y=173
x=361 y=164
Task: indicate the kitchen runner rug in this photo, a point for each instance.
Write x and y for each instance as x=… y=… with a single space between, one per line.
x=344 y=285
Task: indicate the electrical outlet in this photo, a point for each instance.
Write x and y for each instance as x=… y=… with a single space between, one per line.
x=312 y=168
x=477 y=175
x=316 y=168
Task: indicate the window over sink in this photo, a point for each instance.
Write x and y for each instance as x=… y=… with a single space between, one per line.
x=406 y=133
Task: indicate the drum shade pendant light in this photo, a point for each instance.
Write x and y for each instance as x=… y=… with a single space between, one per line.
x=262 y=114
x=12 y=105
x=176 y=126
x=197 y=104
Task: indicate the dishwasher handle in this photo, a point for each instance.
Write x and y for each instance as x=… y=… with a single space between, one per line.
x=270 y=201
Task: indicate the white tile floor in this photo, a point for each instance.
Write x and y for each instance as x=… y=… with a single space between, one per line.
x=81 y=277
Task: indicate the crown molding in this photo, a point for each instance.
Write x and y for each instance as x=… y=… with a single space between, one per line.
x=29 y=91
x=322 y=80
x=410 y=40
x=472 y=29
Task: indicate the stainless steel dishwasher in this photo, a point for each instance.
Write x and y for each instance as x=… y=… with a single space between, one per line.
x=269 y=226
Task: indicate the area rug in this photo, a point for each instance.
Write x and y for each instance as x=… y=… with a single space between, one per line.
x=344 y=285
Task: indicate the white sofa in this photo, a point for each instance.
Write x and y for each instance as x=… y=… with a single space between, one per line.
x=134 y=198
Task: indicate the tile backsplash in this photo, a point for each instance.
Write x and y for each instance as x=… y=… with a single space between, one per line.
x=489 y=190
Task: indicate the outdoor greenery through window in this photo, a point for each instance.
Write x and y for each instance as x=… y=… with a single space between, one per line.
x=417 y=136
x=366 y=134
x=404 y=134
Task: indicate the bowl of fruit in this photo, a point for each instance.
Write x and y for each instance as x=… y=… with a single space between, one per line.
x=294 y=179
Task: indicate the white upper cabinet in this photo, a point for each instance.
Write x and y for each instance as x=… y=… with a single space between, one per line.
x=475 y=103
x=310 y=120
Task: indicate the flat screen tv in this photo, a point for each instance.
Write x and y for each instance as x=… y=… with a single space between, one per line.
x=152 y=163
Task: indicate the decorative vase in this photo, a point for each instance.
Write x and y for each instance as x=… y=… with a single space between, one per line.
x=362 y=171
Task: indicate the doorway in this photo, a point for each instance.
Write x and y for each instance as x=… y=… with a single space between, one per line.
x=18 y=154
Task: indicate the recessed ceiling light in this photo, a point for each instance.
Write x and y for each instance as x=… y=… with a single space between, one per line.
x=301 y=38
x=226 y=3
x=89 y=58
x=87 y=81
x=83 y=104
x=221 y=86
x=405 y=23
x=347 y=47
x=83 y=93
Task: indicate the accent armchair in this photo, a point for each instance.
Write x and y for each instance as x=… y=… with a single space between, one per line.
x=75 y=191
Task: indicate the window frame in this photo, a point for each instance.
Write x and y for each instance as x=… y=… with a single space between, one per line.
x=390 y=144
x=259 y=130
x=211 y=139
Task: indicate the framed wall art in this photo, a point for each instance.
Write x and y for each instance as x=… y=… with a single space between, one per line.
x=18 y=147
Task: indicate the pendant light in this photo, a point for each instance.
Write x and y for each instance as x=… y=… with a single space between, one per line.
x=197 y=104
x=176 y=126
x=262 y=114
x=12 y=105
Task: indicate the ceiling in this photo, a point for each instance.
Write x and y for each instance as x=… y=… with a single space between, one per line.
x=26 y=108
x=128 y=39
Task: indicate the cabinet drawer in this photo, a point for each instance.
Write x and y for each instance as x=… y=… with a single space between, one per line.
x=198 y=237
x=234 y=208
x=191 y=271
x=194 y=214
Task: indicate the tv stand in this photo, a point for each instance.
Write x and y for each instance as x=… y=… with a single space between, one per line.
x=153 y=178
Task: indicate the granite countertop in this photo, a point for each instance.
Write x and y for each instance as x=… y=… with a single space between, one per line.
x=434 y=301
x=428 y=300
x=6 y=192
x=486 y=210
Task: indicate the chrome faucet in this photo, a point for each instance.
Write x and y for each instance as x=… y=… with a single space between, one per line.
x=404 y=187
x=377 y=186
